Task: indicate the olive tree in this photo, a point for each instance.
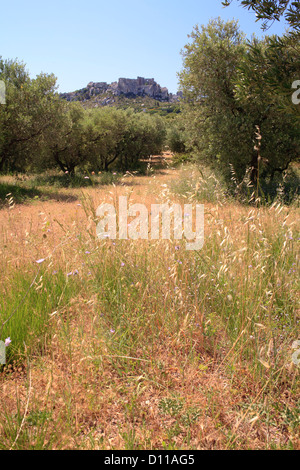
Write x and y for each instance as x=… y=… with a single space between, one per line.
x=29 y=111
x=234 y=120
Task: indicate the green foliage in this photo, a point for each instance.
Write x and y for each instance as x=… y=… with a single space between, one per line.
x=27 y=309
x=29 y=433
x=99 y=138
x=235 y=119
x=176 y=136
x=181 y=158
x=17 y=192
x=121 y=138
x=62 y=180
x=170 y=406
x=268 y=71
x=167 y=110
x=273 y=10
x=30 y=110
x=279 y=57
x=212 y=117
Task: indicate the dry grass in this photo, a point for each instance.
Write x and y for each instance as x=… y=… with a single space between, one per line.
x=148 y=346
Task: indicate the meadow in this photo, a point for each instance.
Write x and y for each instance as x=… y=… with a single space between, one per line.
x=124 y=344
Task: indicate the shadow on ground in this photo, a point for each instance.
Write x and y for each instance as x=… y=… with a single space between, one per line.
x=20 y=194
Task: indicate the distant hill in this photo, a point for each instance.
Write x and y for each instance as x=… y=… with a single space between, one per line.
x=123 y=93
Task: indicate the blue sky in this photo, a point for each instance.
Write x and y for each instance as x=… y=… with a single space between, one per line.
x=103 y=40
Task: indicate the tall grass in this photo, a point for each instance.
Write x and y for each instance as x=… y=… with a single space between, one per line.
x=27 y=304
x=159 y=347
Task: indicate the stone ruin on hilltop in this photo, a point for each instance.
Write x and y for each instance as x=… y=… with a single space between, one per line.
x=139 y=86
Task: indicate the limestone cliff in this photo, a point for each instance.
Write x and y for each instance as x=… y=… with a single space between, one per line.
x=139 y=86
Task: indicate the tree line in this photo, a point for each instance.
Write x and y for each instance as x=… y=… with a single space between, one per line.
x=39 y=130
x=237 y=112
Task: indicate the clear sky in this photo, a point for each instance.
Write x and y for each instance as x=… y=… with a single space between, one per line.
x=95 y=40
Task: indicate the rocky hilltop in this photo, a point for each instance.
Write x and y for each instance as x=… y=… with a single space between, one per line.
x=103 y=93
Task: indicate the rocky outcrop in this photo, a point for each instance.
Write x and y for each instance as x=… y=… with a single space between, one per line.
x=139 y=86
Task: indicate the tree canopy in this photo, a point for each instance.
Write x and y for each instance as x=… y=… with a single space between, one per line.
x=229 y=101
x=273 y=10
